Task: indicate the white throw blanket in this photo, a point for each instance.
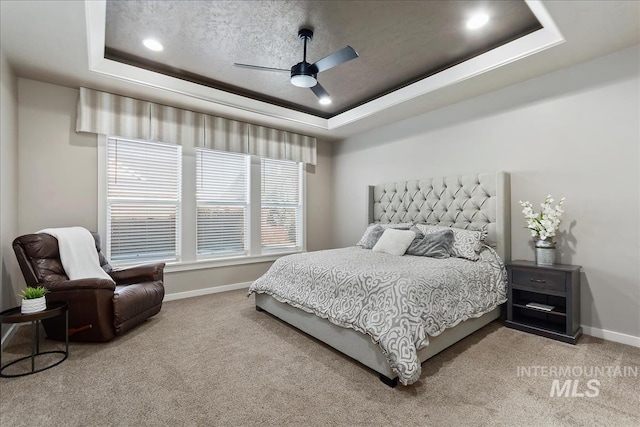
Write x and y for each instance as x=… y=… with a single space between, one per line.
x=78 y=253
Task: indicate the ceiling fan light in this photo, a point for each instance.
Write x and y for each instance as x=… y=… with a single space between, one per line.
x=325 y=100
x=302 y=80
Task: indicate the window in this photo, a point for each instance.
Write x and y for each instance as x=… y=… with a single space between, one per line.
x=143 y=201
x=281 y=207
x=196 y=207
x=222 y=199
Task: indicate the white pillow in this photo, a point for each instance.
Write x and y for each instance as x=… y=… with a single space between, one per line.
x=365 y=236
x=394 y=242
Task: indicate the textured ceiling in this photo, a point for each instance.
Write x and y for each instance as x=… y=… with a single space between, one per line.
x=399 y=42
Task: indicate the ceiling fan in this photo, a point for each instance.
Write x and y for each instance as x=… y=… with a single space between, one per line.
x=304 y=74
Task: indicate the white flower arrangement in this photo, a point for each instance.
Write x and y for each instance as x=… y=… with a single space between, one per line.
x=545 y=223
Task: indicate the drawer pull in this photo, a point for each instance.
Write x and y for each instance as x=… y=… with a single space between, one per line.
x=538 y=280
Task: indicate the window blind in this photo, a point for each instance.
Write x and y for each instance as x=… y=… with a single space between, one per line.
x=222 y=202
x=143 y=200
x=281 y=207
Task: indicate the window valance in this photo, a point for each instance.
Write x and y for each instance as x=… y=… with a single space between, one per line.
x=115 y=115
x=174 y=125
x=226 y=135
x=107 y=114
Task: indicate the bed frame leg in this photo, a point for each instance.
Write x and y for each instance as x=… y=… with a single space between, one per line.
x=259 y=308
x=388 y=381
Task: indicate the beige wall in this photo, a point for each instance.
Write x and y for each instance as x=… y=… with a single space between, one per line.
x=9 y=287
x=57 y=166
x=572 y=133
x=58 y=181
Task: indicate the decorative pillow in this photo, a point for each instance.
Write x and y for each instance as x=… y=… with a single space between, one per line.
x=435 y=245
x=419 y=235
x=466 y=243
x=394 y=242
x=400 y=225
x=373 y=237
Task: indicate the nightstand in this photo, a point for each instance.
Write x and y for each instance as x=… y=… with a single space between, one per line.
x=545 y=300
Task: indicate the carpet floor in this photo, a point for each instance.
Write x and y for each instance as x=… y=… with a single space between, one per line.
x=216 y=361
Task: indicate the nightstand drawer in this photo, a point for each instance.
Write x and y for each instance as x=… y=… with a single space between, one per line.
x=539 y=279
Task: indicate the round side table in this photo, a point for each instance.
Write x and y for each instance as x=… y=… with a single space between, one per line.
x=13 y=315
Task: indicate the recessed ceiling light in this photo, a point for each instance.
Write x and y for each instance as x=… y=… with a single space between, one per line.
x=325 y=100
x=152 y=44
x=478 y=20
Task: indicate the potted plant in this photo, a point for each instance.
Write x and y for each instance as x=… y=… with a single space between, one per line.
x=543 y=226
x=33 y=300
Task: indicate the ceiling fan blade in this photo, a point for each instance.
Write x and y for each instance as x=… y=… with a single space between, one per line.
x=341 y=56
x=256 y=67
x=319 y=91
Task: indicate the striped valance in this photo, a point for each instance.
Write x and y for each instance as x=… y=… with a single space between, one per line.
x=177 y=126
x=115 y=115
x=226 y=135
x=104 y=113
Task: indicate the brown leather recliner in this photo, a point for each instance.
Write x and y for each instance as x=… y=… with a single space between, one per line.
x=98 y=309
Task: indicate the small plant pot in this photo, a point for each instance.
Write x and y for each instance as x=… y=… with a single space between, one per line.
x=33 y=305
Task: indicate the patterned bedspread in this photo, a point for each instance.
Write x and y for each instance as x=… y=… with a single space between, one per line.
x=398 y=301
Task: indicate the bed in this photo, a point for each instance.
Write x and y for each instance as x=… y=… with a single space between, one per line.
x=342 y=296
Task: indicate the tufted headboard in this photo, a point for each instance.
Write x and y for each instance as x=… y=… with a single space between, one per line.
x=471 y=202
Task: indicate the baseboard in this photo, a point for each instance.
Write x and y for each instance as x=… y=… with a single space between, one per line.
x=611 y=336
x=206 y=291
x=7 y=337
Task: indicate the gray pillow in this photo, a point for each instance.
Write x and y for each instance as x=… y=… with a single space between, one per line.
x=435 y=245
x=372 y=238
x=416 y=242
x=419 y=233
x=466 y=243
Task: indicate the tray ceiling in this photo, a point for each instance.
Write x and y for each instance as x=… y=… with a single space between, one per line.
x=399 y=43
